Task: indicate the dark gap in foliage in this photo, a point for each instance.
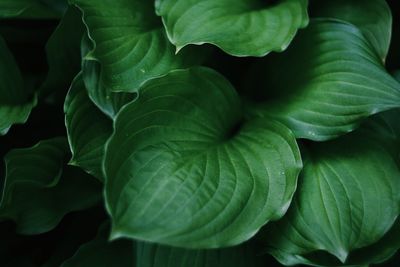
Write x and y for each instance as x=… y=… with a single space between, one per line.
x=259 y=4
x=393 y=58
x=232 y=68
x=55 y=246
x=235 y=129
x=46 y=121
x=26 y=40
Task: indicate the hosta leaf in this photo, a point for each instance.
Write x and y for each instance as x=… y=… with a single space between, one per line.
x=129 y=43
x=32 y=9
x=38 y=191
x=153 y=255
x=373 y=18
x=108 y=102
x=88 y=129
x=348 y=199
x=240 y=28
x=16 y=103
x=335 y=81
x=376 y=253
x=181 y=168
x=101 y=253
x=64 y=66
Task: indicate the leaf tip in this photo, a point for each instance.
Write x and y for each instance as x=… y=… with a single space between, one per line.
x=115 y=234
x=341 y=254
x=178 y=49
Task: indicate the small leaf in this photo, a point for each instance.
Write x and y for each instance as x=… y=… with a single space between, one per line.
x=129 y=43
x=16 y=103
x=182 y=169
x=240 y=28
x=38 y=191
x=348 y=200
x=326 y=83
x=372 y=17
x=88 y=129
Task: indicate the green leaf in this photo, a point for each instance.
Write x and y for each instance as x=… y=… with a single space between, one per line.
x=108 y=102
x=376 y=253
x=183 y=169
x=153 y=255
x=129 y=43
x=88 y=129
x=100 y=252
x=32 y=9
x=326 y=83
x=373 y=18
x=39 y=191
x=63 y=67
x=348 y=199
x=16 y=102
x=240 y=28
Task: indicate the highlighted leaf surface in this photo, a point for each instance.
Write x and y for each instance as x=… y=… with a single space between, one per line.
x=326 y=83
x=88 y=129
x=348 y=199
x=240 y=28
x=182 y=170
x=129 y=43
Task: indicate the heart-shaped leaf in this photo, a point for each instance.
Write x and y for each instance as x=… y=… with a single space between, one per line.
x=16 y=103
x=336 y=80
x=240 y=28
x=182 y=169
x=39 y=191
x=348 y=199
x=88 y=129
x=372 y=17
x=129 y=43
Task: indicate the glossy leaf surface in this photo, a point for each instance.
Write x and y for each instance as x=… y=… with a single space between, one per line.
x=335 y=81
x=183 y=169
x=240 y=28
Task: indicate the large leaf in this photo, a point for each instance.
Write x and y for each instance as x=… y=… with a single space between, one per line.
x=32 y=9
x=64 y=66
x=153 y=255
x=16 y=102
x=326 y=83
x=99 y=252
x=38 y=191
x=88 y=129
x=240 y=28
x=372 y=17
x=129 y=43
x=348 y=199
x=183 y=169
